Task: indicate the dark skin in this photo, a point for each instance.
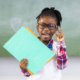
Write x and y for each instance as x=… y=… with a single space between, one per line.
x=45 y=39
x=46 y=20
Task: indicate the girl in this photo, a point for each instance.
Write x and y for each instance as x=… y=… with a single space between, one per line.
x=48 y=22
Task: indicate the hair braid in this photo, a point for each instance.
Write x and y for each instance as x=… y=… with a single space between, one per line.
x=51 y=12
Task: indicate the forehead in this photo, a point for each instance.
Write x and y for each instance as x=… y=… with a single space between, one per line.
x=47 y=20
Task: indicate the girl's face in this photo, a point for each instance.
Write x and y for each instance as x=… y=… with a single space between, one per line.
x=46 y=32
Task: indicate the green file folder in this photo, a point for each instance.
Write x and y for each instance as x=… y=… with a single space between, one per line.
x=25 y=45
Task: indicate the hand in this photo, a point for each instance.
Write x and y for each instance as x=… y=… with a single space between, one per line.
x=60 y=37
x=23 y=63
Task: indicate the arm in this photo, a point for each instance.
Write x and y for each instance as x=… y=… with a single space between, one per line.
x=61 y=50
x=61 y=55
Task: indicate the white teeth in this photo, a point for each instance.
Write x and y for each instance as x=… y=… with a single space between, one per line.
x=46 y=34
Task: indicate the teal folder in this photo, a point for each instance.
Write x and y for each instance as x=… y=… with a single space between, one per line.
x=23 y=44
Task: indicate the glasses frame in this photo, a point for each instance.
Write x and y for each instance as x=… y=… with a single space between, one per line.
x=46 y=26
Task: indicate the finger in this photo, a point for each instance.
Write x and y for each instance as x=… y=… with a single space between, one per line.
x=56 y=33
x=22 y=61
x=25 y=61
x=60 y=35
x=26 y=64
x=61 y=30
x=22 y=64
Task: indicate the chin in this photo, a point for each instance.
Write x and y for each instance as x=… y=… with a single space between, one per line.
x=46 y=39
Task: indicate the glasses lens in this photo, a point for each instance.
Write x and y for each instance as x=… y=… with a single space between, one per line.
x=51 y=26
x=42 y=25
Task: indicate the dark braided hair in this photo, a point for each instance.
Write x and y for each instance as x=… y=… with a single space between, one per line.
x=51 y=12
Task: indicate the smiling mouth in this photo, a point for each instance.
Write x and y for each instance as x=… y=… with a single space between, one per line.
x=45 y=34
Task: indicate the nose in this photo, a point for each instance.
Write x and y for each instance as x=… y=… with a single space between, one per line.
x=46 y=28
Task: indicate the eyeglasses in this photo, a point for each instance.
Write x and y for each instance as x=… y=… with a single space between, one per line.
x=50 y=26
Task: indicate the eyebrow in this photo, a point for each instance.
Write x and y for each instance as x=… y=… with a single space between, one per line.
x=45 y=23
